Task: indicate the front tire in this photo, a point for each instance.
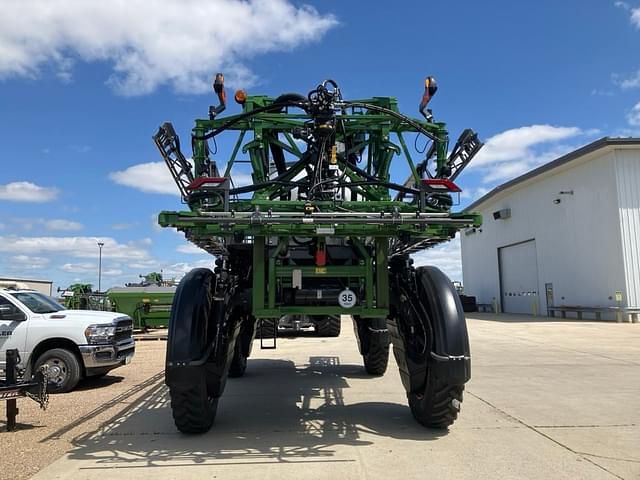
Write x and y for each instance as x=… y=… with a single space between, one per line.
x=438 y=405
x=64 y=369
x=199 y=351
x=194 y=410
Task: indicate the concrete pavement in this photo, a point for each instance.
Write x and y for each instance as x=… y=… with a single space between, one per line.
x=548 y=399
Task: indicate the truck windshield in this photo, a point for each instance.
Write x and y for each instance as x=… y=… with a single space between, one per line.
x=37 y=302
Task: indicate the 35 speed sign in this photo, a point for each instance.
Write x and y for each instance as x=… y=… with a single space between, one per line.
x=347 y=298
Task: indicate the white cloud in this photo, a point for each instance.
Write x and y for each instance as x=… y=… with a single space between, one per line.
x=90 y=268
x=80 y=148
x=123 y=226
x=241 y=179
x=190 y=249
x=63 y=225
x=632 y=82
x=515 y=143
x=153 y=42
x=601 y=93
x=635 y=17
x=474 y=193
x=79 y=247
x=180 y=269
x=518 y=150
x=26 y=191
x=633 y=117
x=146 y=264
x=447 y=257
x=28 y=262
x=152 y=177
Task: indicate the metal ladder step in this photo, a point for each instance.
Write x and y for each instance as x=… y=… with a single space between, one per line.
x=273 y=322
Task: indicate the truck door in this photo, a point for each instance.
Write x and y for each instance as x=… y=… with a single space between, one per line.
x=13 y=330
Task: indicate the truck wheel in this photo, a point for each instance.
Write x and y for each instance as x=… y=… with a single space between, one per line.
x=239 y=362
x=327 y=326
x=64 y=369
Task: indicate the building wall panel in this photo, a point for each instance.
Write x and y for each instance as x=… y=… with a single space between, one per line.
x=577 y=235
x=628 y=181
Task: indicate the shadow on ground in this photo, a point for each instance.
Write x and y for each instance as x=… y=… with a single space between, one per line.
x=277 y=412
x=91 y=383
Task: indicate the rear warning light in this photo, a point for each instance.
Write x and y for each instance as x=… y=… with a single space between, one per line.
x=440 y=184
x=199 y=182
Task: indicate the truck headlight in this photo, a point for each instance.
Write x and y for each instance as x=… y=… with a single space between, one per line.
x=100 y=333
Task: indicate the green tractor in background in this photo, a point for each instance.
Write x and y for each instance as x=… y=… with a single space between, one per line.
x=322 y=228
x=148 y=302
x=80 y=296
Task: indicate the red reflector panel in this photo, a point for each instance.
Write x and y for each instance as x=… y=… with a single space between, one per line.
x=199 y=182
x=321 y=258
x=443 y=184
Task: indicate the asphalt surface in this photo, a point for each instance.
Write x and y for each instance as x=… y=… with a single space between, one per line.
x=548 y=399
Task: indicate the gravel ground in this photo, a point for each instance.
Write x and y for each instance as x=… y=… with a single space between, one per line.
x=43 y=436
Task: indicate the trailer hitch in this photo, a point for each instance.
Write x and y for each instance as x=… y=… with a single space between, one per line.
x=11 y=388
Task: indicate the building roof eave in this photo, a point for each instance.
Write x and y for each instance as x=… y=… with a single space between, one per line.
x=563 y=160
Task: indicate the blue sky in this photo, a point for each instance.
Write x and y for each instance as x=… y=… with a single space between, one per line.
x=84 y=85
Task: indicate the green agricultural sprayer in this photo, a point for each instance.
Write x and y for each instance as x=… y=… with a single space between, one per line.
x=321 y=230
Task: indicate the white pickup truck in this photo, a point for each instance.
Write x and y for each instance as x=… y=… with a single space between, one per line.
x=72 y=343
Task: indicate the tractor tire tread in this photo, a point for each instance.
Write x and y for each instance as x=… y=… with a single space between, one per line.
x=329 y=328
x=376 y=360
x=438 y=406
x=238 y=364
x=193 y=411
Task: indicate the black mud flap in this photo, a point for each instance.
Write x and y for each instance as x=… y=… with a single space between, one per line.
x=202 y=335
x=429 y=332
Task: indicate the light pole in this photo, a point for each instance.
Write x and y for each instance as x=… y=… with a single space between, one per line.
x=100 y=245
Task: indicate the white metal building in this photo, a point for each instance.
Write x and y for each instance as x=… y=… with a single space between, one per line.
x=566 y=233
x=42 y=286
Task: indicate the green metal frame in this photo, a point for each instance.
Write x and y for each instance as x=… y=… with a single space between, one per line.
x=265 y=218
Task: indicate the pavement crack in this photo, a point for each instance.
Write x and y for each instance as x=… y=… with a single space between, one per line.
x=583 y=456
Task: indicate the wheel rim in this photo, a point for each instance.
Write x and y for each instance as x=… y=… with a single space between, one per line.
x=57 y=371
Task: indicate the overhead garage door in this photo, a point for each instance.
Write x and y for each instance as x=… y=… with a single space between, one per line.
x=519 y=278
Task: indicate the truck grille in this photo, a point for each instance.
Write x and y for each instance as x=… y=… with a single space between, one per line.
x=124 y=330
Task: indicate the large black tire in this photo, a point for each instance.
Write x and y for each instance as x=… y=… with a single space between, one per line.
x=373 y=343
x=64 y=369
x=430 y=343
x=328 y=326
x=376 y=359
x=438 y=405
x=193 y=409
x=196 y=372
x=239 y=362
